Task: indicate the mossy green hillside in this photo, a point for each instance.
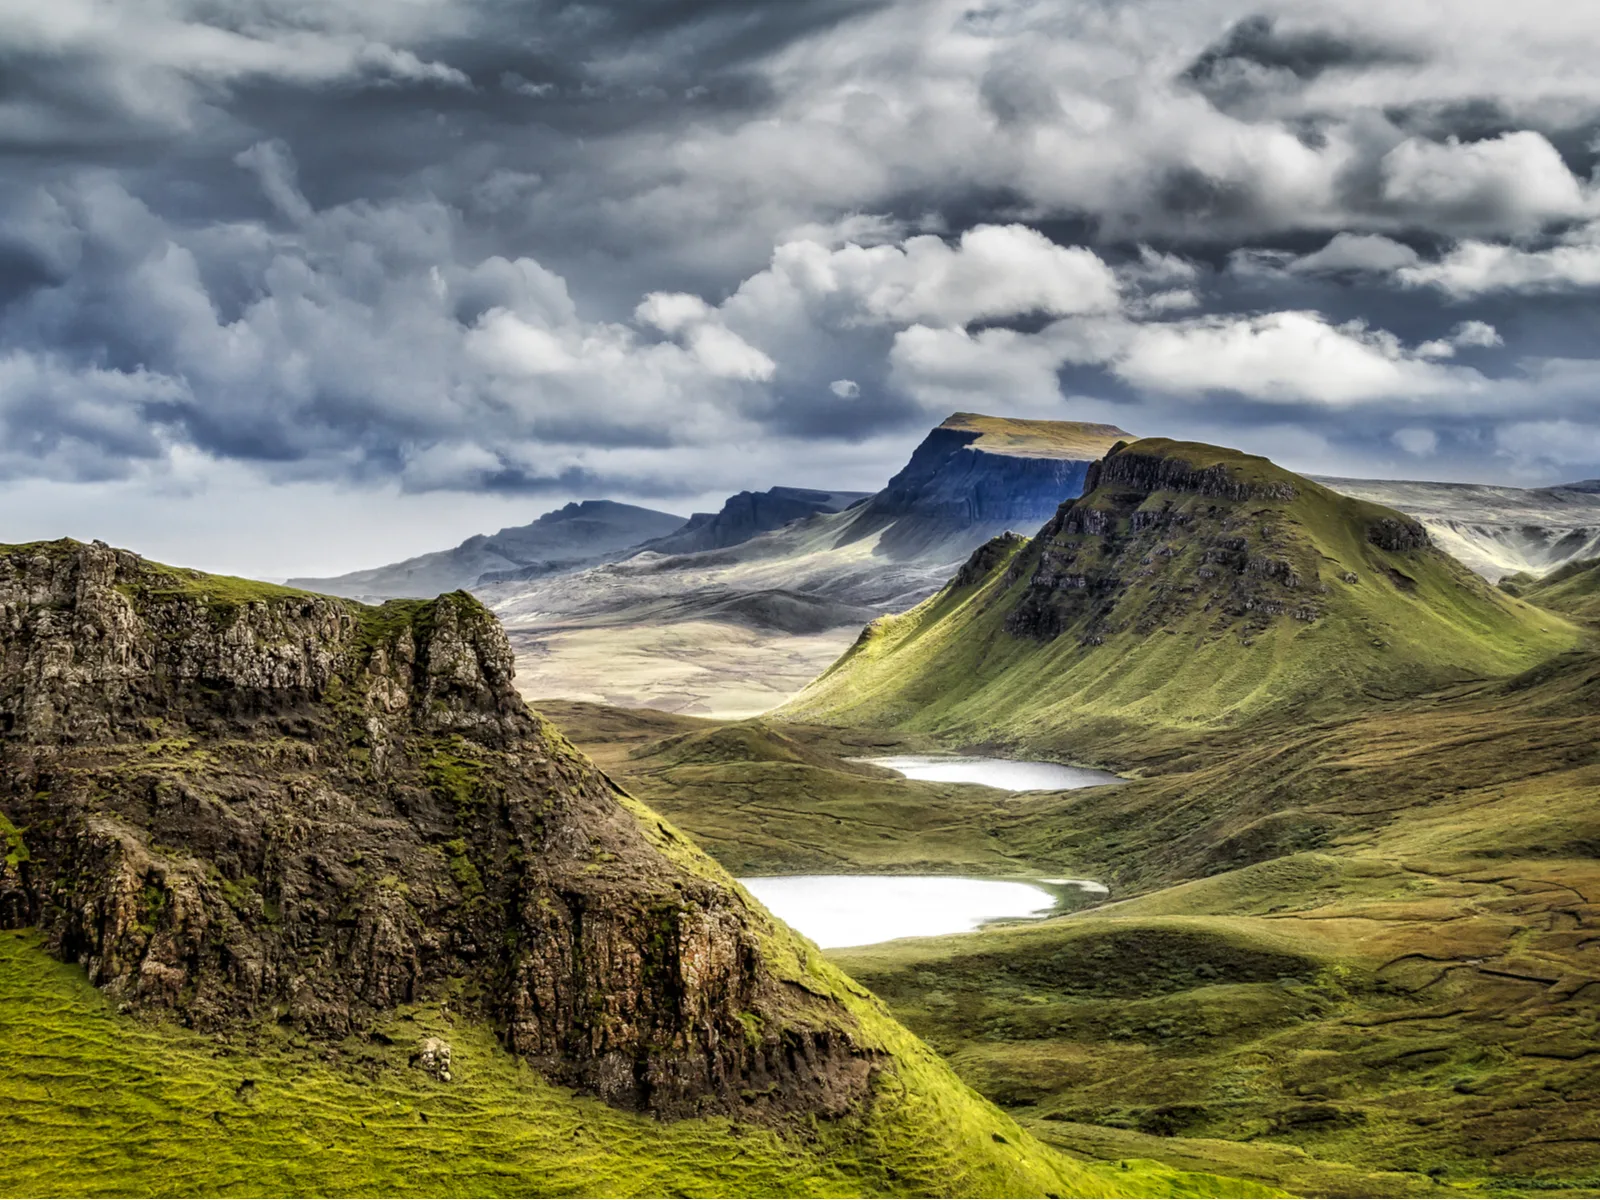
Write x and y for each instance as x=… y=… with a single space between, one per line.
x=1371 y=1026
x=1345 y=956
x=102 y=1104
x=1202 y=589
x=1573 y=589
x=766 y=799
x=269 y=1101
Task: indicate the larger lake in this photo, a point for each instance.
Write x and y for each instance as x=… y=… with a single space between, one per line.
x=1005 y=773
x=858 y=910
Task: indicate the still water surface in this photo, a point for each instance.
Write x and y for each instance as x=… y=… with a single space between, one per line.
x=857 y=910
x=1005 y=773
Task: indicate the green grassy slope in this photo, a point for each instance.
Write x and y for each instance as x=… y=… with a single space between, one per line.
x=1573 y=589
x=102 y=1104
x=769 y=800
x=1158 y=609
x=97 y=1101
x=1431 y=1009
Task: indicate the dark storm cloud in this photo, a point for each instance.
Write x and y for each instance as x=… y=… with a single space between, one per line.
x=1258 y=48
x=421 y=243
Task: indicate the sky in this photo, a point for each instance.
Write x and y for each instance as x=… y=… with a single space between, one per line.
x=295 y=287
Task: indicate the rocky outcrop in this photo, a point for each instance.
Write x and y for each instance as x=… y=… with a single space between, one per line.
x=986 y=558
x=1397 y=533
x=235 y=802
x=1144 y=472
x=1158 y=541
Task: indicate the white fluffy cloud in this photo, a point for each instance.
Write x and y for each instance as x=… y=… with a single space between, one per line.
x=1476 y=267
x=1358 y=252
x=1516 y=182
x=1286 y=357
x=991 y=272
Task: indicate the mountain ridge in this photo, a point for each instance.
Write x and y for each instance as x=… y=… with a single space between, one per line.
x=821 y=575
x=576 y=535
x=1189 y=586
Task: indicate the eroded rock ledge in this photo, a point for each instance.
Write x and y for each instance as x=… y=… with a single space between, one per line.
x=236 y=802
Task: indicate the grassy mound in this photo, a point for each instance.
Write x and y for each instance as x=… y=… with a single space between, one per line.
x=1191 y=588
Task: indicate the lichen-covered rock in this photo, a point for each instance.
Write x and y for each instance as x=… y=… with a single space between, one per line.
x=236 y=802
x=433 y=1058
x=1398 y=533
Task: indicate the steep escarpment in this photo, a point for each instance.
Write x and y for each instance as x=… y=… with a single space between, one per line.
x=1189 y=587
x=976 y=473
x=234 y=802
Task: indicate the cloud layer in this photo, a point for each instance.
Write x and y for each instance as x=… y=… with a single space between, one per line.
x=459 y=247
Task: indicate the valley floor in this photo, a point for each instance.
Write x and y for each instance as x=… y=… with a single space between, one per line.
x=705 y=668
x=1360 y=957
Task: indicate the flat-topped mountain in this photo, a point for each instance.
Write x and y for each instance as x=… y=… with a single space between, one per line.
x=1497 y=531
x=569 y=538
x=742 y=517
x=974 y=476
x=1190 y=586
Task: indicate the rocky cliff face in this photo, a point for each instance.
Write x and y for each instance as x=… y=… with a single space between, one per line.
x=1156 y=539
x=235 y=802
x=957 y=487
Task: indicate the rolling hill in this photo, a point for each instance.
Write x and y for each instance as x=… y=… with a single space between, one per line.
x=567 y=539
x=1573 y=589
x=1495 y=530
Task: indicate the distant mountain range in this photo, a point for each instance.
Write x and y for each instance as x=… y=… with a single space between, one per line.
x=763 y=615
x=1189 y=586
x=567 y=539
x=747 y=514
x=971 y=478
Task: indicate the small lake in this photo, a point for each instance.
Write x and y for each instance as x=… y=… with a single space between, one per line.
x=858 y=910
x=1005 y=773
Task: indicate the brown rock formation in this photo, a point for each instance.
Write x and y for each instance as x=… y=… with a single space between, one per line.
x=233 y=802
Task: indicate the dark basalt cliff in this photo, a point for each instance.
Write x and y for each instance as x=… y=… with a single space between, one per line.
x=957 y=486
x=235 y=802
